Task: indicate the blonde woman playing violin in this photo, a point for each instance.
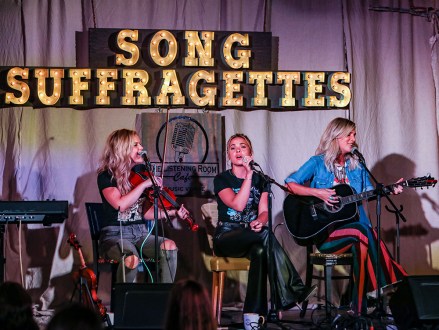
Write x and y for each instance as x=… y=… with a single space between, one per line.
x=124 y=228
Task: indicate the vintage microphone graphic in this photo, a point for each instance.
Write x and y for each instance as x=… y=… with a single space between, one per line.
x=182 y=139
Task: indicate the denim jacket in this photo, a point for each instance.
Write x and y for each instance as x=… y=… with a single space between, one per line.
x=315 y=171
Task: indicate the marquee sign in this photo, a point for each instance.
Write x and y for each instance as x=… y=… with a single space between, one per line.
x=175 y=69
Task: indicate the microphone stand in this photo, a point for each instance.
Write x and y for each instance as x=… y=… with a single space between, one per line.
x=273 y=313
x=156 y=195
x=379 y=193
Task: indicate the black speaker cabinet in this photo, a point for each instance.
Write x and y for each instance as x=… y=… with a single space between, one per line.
x=140 y=305
x=415 y=302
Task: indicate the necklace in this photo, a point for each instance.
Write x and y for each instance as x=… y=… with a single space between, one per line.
x=340 y=173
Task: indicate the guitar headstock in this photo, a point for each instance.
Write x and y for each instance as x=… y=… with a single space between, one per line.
x=425 y=181
x=73 y=241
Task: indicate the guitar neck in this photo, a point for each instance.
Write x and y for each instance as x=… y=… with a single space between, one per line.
x=371 y=193
x=358 y=197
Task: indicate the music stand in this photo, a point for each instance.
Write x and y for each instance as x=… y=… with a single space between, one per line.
x=398 y=230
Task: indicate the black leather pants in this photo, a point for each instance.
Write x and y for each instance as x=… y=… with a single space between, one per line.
x=231 y=240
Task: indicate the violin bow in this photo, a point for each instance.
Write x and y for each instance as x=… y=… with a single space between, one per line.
x=168 y=110
x=165 y=142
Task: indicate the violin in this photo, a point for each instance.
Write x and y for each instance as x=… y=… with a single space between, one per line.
x=139 y=174
x=91 y=300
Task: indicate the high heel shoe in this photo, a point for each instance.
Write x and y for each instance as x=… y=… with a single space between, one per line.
x=307 y=293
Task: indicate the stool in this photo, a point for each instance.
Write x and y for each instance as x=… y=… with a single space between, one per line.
x=328 y=261
x=219 y=266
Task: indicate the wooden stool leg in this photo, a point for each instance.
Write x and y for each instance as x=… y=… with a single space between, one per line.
x=328 y=289
x=215 y=280
x=222 y=276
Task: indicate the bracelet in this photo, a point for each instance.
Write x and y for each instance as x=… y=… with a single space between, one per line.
x=247 y=179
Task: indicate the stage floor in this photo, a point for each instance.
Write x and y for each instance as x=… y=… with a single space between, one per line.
x=315 y=318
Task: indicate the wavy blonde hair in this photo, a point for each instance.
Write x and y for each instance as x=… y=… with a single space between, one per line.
x=116 y=158
x=328 y=146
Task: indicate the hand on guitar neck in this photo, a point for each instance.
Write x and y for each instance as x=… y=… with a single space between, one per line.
x=398 y=188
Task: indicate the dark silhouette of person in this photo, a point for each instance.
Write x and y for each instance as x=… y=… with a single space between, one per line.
x=75 y=317
x=189 y=307
x=16 y=308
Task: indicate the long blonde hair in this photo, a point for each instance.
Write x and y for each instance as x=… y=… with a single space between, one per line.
x=328 y=146
x=116 y=158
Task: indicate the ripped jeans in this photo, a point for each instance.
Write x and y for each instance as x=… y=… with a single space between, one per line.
x=133 y=240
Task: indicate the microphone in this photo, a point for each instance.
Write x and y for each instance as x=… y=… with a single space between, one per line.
x=144 y=154
x=252 y=164
x=357 y=153
x=182 y=140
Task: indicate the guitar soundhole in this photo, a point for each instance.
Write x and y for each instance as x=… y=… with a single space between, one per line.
x=334 y=208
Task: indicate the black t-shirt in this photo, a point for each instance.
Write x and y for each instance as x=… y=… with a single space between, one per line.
x=228 y=180
x=111 y=215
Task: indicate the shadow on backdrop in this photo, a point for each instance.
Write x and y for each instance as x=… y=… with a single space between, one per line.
x=416 y=235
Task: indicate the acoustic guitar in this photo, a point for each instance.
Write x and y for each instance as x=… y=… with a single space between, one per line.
x=309 y=218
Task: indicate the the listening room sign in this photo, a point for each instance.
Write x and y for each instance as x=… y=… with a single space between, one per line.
x=192 y=156
x=175 y=69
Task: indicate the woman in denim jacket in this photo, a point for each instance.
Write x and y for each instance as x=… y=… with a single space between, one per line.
x=335 y=164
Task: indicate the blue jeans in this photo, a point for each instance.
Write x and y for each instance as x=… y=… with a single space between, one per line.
x=133 y=241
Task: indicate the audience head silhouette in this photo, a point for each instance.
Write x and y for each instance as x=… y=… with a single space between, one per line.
x=75 y=317
x=15 y=308
x=189 y=307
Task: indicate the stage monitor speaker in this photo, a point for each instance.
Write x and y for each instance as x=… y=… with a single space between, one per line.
x=414 y=303
x=140 y=305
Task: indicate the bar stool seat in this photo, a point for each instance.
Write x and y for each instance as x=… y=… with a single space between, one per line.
x=328 y=261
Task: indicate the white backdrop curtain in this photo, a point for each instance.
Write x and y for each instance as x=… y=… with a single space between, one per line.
x=53 y=153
